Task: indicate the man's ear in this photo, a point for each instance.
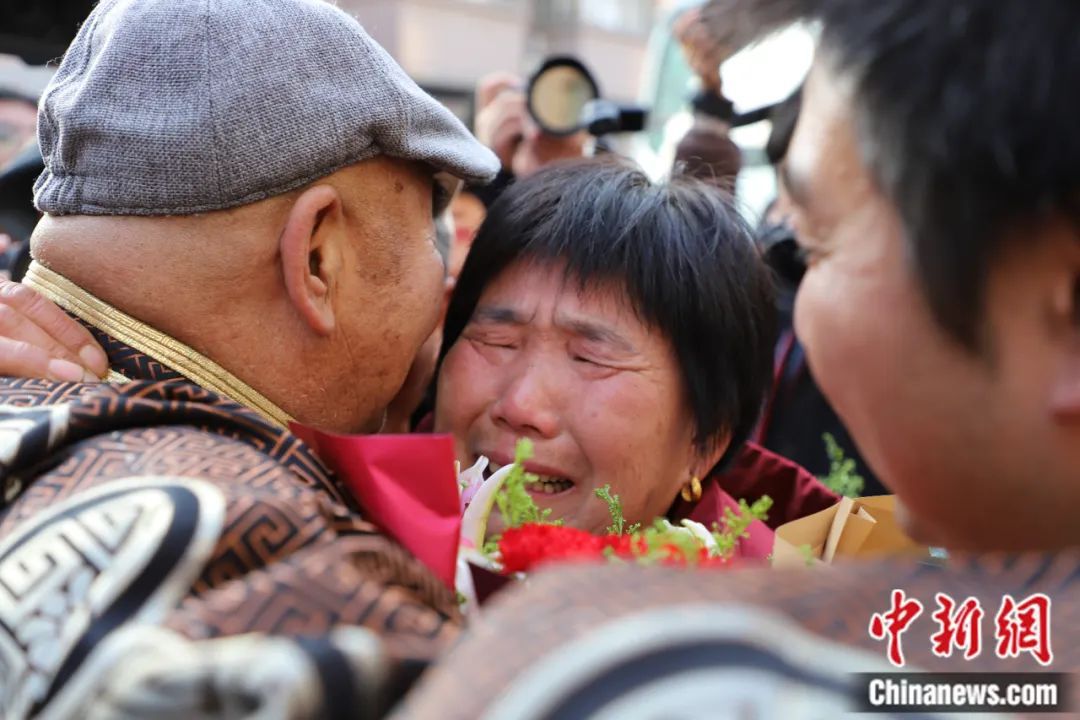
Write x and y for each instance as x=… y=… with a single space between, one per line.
x=1061 y=278
x=311 y=247
x=1065 y=398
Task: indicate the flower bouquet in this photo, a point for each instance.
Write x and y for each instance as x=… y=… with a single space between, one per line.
x=532 y=539
x=406 y=485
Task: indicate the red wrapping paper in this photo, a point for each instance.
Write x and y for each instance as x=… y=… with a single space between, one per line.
x=405 y=484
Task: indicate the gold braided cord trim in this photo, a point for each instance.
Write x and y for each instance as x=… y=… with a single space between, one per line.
x=170 y=352
x=115 y=378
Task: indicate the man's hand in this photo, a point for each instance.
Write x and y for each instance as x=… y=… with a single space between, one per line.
x=704 y=51
x=39 y=340
x=501 y=115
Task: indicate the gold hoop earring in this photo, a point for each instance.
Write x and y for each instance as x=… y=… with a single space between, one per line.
x=691 y=491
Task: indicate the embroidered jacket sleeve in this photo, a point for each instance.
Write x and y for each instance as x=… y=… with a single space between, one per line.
x=159 y=548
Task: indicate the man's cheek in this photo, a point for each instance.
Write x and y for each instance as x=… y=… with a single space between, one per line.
x=464 y=390
x=829 y=333
x=813 y=316
x=916 y=527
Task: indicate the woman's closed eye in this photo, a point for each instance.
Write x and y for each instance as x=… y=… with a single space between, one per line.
x=594 y=362
x=493 y=340
x=496 y=343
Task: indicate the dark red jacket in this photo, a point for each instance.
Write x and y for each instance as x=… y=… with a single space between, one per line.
x=756 y=472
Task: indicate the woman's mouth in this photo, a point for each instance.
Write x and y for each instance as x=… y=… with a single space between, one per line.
x=549 y=485
x=541 y=485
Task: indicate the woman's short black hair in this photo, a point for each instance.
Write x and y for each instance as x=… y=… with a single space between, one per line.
x=684 y=255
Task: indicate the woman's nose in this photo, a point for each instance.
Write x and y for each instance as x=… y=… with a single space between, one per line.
x=526 y=405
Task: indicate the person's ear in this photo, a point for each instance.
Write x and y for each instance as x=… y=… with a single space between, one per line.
x=703 y=462
x=1065 y=396
x=1061 y=278
x=312 y=247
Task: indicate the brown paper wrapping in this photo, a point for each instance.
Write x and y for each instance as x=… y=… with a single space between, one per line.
x=853 y=528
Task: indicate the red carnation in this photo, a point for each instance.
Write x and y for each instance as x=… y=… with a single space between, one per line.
x=524 y=548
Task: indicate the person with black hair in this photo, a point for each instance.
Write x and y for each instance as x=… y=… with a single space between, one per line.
x=934 y=177
x=626 y=327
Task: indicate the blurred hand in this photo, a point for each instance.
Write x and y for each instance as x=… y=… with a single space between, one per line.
x=493 y=84
x=39 y=340
x=501 y=115
x=703 y=50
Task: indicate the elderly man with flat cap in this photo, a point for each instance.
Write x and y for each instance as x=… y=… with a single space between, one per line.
x=239 y=202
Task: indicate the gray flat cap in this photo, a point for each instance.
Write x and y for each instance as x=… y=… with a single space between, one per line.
x=173 y=107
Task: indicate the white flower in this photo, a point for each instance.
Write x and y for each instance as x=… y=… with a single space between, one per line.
x=470 y=480
x=474 y=522
x=702 y=533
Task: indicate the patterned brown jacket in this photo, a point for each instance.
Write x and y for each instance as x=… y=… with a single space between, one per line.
x=168 y=552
